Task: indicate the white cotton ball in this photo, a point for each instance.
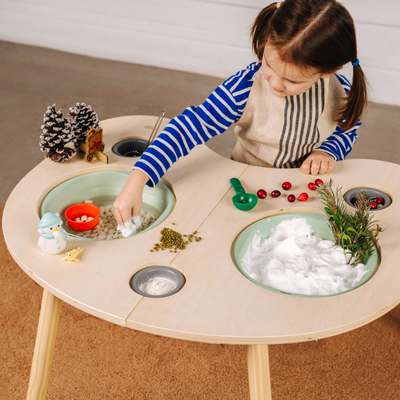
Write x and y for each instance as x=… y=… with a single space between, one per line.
x=84 y=218
x=77 y=220
x=90 y=218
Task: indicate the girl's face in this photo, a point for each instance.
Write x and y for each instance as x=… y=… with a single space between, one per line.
x=286 y=79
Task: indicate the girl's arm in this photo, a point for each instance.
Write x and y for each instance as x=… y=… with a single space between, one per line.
x=334 y=148
x=196 y=125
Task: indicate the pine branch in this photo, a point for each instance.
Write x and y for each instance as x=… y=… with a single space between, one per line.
x=357 y=234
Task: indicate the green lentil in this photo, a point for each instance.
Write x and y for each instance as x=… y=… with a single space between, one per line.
x=171 y=239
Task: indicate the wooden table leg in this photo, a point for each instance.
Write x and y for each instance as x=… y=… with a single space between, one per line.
x=258 y=367
x=44 y=346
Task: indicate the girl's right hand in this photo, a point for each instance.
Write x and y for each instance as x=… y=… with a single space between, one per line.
x=129 y=201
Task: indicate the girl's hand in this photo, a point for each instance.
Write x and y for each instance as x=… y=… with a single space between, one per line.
x=318 y=162
x=129 y=201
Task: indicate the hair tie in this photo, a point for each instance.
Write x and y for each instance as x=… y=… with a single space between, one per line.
x=355 y=62
x=278 y=4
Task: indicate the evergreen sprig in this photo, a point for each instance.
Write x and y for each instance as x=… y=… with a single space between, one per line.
x=357 y=234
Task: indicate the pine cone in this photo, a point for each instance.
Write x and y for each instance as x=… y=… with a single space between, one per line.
x=54 y=156
x=61 y=155
x=82 y=119
x=68 y=153
x=56 y=134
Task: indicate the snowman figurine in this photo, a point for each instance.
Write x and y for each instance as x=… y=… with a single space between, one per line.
x=53 y=238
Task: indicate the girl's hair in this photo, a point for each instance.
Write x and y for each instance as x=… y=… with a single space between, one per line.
x=318 y=34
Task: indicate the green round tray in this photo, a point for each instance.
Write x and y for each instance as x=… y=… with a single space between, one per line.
x=319 y=223
x=103 y=187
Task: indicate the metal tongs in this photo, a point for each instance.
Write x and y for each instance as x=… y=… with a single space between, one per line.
x=155 y=129
x=137 y=152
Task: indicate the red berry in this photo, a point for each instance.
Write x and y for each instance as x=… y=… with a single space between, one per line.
x=286 y=185
x=373 y=205
x=303 y=196
x=275 y=193
x=262 y=194
x=291 y=198
x=379 y=200
x=319 y=182
x=312 y=186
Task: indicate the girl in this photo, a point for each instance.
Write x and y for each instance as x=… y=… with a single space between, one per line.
x=290 y=108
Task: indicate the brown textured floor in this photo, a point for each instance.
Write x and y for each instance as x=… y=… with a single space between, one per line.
x=94 y=359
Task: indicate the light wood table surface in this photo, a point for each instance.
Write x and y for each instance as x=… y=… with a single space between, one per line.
x=217 y=304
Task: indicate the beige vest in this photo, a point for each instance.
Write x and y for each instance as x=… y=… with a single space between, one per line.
x=282 y=131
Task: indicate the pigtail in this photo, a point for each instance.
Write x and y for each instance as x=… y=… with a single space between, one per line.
x=356 y=99
x=259 y=31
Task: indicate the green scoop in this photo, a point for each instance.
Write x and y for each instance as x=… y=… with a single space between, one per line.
x=242 y=201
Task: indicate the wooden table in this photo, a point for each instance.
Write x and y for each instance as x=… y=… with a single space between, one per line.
x=217 y=304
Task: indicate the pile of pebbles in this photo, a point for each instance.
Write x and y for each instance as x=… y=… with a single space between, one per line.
x=107 y=226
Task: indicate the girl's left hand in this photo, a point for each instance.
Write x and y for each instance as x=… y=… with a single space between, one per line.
x=318 y=162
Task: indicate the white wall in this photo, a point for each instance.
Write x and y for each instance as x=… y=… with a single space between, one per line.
x=204 y=36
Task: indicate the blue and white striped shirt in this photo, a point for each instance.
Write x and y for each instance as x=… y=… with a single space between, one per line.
x=196 y=125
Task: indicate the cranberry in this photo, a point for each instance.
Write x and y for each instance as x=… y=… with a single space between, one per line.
x=373 y=205
x=353 y=201
x=291 y=198
x=379 y=200
x=286 y=185
x=312 y=186
x=303 y=197
x=275 y=193
x=319 y=182
x=262 y=194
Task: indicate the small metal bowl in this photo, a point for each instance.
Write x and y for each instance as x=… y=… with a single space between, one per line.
x=130 y=147
x=145 y=274
x=371 y=192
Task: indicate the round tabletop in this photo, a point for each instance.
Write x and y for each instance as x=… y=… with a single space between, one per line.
x=217 y=304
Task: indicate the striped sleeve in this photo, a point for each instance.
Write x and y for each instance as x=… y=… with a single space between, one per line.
x=197 y=125
x=341 y=142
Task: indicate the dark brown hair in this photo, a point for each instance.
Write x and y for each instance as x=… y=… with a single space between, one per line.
x=318 y=34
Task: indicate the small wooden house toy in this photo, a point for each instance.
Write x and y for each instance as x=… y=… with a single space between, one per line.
x=94 y=146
